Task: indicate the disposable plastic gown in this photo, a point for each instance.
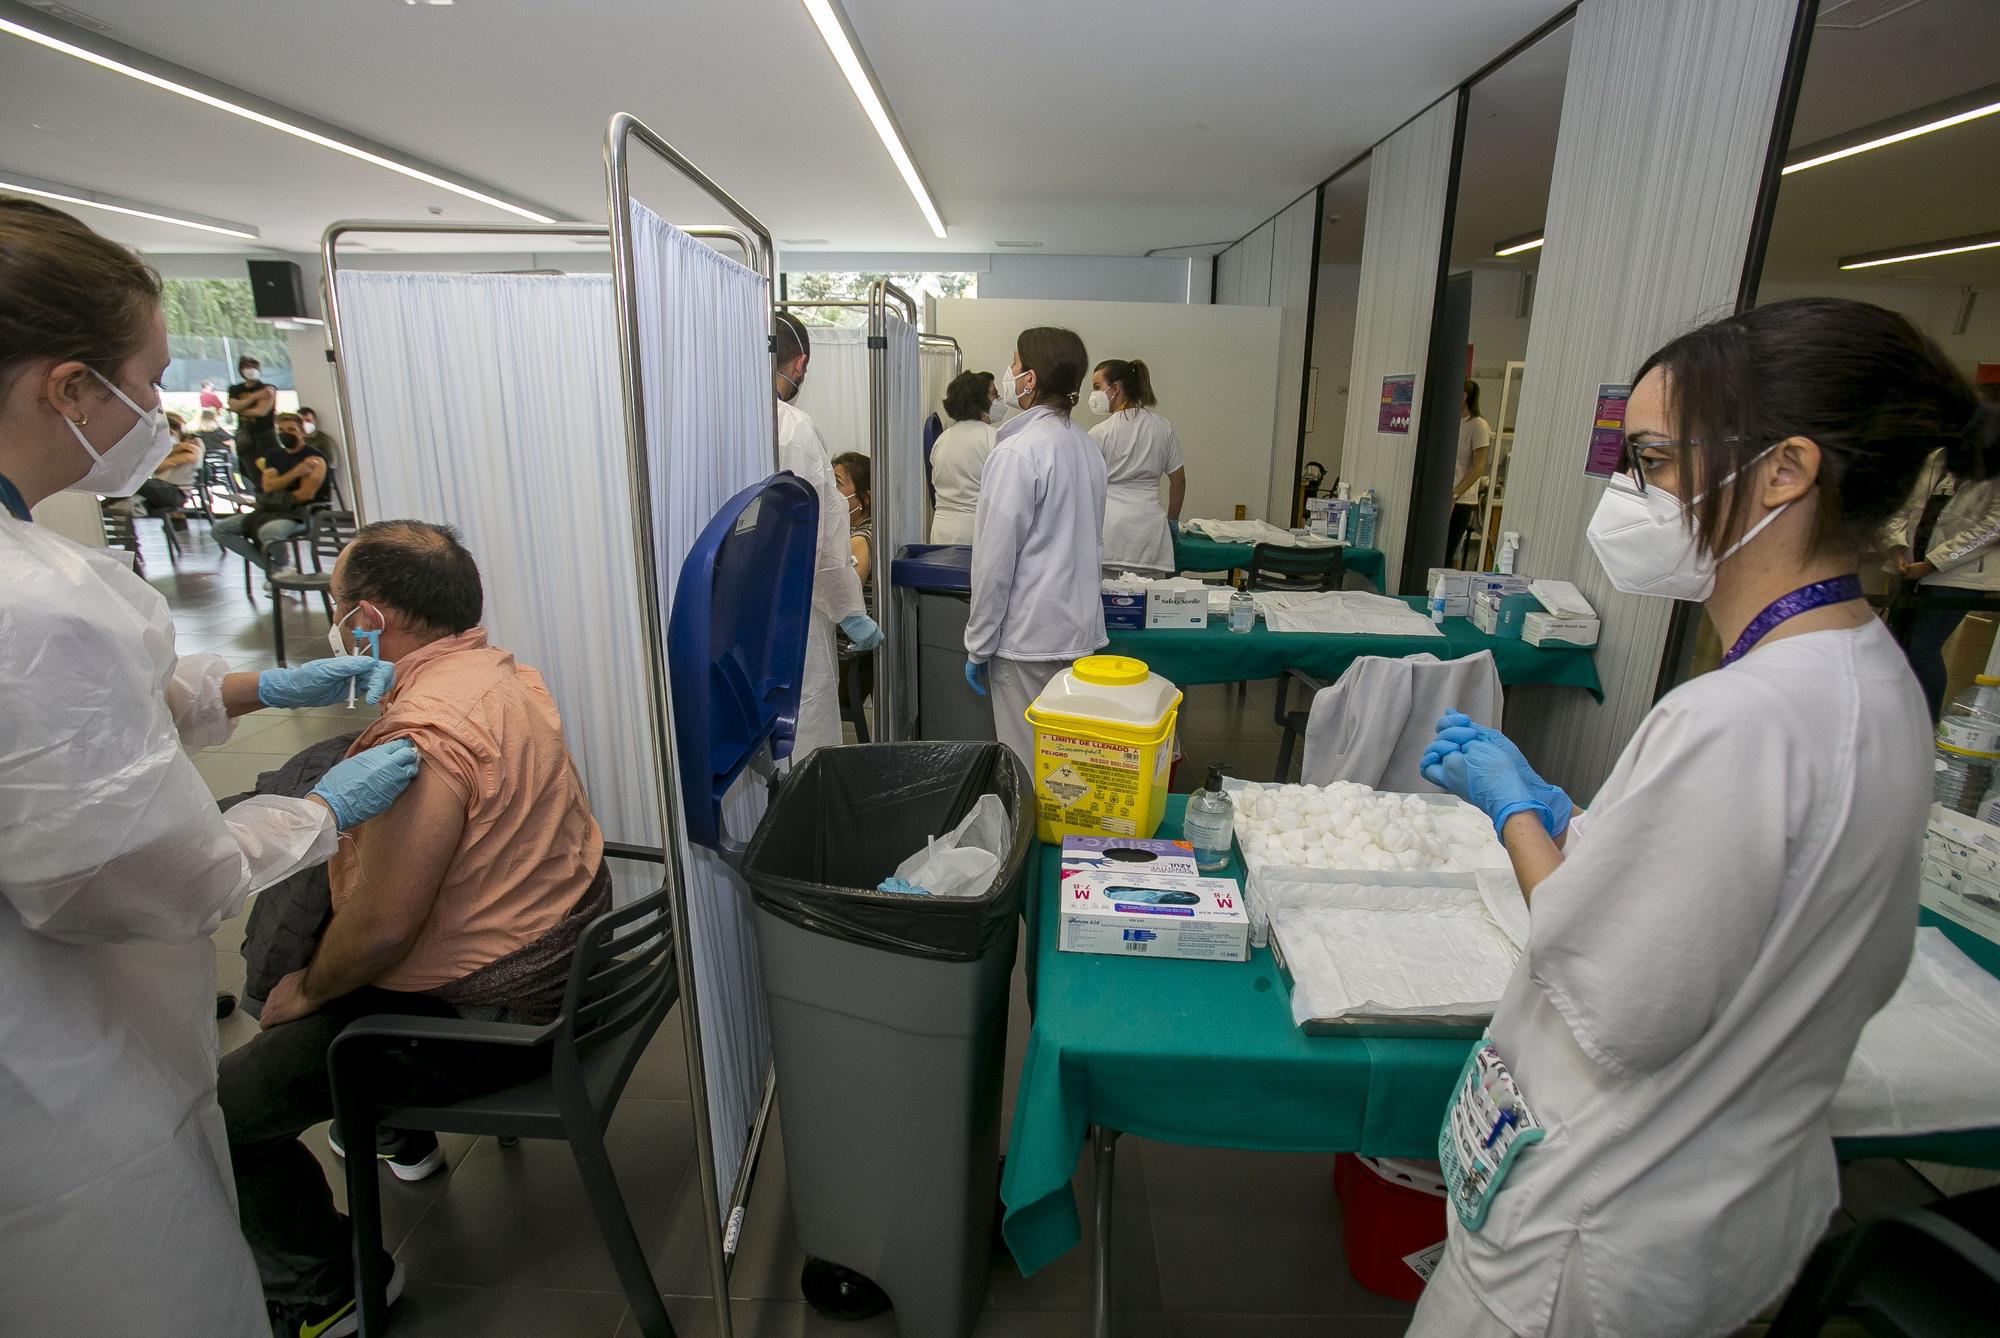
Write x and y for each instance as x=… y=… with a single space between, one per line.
x=836 y=585
x=117 y=1212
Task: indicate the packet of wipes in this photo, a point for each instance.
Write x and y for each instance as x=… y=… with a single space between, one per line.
x=959 y=863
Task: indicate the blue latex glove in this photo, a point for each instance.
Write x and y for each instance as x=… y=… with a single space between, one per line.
x=366 y=783
x=862 y=631
x=1456 y=729
x=975 y=676
x=902 y=887
x=324 y=682
x=1484 y=776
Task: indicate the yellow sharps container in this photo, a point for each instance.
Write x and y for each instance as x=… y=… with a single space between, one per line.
x=1104 y=744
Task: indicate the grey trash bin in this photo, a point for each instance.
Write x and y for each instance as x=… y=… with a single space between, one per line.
x=889 y=1017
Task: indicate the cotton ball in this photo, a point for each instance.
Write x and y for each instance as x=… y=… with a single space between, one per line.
x=1410 y=862
x=1396 y=838
x=1316 y=859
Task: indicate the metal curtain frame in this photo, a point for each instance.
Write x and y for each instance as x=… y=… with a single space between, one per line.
x=891 y=719
x=329 y=254
x=620 y=133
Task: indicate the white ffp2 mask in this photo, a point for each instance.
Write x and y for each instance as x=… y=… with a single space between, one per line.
x=1647 y=548
x=118 y=470
x=1010 y=388
x=1100 y=402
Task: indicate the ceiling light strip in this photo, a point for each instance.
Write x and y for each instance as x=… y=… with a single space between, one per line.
x=1883 y=141
x=261 y=118
x=1514 y=246
x=833 y=30
x=1923 y=251
x=15 y=186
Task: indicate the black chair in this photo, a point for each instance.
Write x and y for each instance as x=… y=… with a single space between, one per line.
x=1931 y=1272
x=857 y=680
x=1292 y=722
x=120 y=532
x=622 y=982
x=327 y=532
x=1296 y=569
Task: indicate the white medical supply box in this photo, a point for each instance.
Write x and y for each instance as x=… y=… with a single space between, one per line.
x=1125 y=606
x=1545 y=629
x=1153 y=915
x=1176 y=603
x=1129 y=854
x=1961 y=871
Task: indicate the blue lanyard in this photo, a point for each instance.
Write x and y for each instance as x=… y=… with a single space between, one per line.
x=10 y=497
x=1818 y=595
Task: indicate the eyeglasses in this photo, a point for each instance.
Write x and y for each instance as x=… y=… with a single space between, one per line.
x=1631 y=464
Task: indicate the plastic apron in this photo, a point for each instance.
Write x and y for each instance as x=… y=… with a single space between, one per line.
x=836 y=584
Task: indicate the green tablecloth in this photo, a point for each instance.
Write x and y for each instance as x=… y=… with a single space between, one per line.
x=1198 y=552
x=1205 y=1053
x=1215 y=654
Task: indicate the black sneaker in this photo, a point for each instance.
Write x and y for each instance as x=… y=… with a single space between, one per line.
x=334 y=1319
x=412 y=1154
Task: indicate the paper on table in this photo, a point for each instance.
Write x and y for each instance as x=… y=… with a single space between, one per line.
x=1930 y=1060
x=1250 y=532
x=1350 y=613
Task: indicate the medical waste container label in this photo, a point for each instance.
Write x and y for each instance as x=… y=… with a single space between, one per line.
x=1089 y=780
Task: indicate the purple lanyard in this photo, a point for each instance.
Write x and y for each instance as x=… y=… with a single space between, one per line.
x=1818 y=595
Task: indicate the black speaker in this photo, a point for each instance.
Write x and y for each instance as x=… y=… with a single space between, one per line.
x=276 y=291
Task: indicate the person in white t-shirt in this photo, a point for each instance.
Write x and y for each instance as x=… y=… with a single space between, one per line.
x=958 y=460
x=1475 y=447
x=1140 y=449
x=1706 y=943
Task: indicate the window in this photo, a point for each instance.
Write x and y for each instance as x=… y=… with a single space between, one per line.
x=852 y=286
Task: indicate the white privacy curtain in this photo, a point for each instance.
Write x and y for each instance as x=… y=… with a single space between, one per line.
x=835 y=391
x=903 y=520
x=940 y=363
x=703 y=333
x=490 y=402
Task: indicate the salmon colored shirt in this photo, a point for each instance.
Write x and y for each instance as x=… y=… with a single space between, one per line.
x=489 y=728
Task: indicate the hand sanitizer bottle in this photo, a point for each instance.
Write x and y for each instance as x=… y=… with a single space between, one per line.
x=1210 y=823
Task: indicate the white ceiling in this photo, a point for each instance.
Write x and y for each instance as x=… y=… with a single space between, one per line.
x=1094 y=128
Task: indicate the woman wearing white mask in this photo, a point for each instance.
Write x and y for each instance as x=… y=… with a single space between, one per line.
x=1707 y=942
x=116 y=1214
x=1140 y=449
x=1036 y=603
x=958 y=461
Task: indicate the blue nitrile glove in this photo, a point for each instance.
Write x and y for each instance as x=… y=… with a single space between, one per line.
x=903 y=887
x=324 y=682
x=975 y=676
x=862 y=631
x=1455 y=729
x=1485 y=777
x=366 y=783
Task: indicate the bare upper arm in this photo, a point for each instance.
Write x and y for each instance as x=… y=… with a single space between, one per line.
x=407 y=855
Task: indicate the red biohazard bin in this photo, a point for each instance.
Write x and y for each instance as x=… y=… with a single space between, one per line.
x=1390 y=1210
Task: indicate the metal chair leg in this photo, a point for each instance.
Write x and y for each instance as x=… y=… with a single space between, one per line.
x=600 y=1184
x=355 y=1117
x=278 y=624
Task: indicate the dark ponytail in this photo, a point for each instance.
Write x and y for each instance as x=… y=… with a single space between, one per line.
x=1132 y=380
x=1859 y=381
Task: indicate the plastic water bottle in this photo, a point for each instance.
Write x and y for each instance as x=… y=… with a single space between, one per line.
x=1242 y=612
x=1210 y=823
x=1968 y=746
x=1363 y=535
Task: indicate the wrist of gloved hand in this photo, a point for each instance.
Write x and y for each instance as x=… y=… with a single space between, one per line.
x=975 y=676
x=862 y=631
x=1524 y=804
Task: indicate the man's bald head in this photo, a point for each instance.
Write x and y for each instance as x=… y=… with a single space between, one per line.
x=412 y=568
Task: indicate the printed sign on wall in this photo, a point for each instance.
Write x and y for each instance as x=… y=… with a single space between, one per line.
x=1607 y=431
x=1397 y=393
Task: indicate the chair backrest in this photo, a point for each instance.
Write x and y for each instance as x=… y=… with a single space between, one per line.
x=1276 y=568
x=328 y=531
x=622 y=980
x=1373 y=726
x=119 y=531
x=1918 y=1274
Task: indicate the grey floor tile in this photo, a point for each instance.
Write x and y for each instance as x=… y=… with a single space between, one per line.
x=230 y=772
x=1067 y=1284
x=518 y=1216
x=768 y=1257
x=404 y=1204
x=662 y=1073
x=1880 y=1186
x=694 y=1317
x=1071 y=1324
x=228 y=936
x=229 y=970
x=1250 y=1233
x=1214 y=1325
x=429 y=1310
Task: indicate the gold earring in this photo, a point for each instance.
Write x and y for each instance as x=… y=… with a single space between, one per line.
x=84 y=421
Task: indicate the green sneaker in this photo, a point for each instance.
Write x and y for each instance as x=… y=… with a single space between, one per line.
x=331 y=1319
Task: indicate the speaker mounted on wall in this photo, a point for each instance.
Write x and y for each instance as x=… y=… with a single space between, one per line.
x=277 y=292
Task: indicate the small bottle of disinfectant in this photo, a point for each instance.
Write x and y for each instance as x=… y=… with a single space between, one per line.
x=1210 y=823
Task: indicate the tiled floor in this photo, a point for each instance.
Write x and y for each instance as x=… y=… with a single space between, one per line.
x=1209 y=1243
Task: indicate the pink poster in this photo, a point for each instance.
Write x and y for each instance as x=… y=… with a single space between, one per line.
x=1607 y=431
x=1397 y=393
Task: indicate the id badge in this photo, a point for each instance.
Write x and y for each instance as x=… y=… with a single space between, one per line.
x=1487 y=1125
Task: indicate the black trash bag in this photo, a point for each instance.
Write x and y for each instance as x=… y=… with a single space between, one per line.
x=845 y=818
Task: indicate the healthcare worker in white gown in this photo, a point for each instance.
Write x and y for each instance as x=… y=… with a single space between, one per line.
x=117 y=1211
x=1036 y=602
x=836 y=593
x=1140 y=449
x=1707 y=941
x=958 y=459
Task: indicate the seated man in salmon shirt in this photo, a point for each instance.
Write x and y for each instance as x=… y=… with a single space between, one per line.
x=464 y=899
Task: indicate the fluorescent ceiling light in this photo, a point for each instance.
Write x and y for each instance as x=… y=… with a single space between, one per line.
x=1514 y=246
x=834 y=32
x=1882 y=141
x=49 y=191
x=1922 y=251
x=271 y=122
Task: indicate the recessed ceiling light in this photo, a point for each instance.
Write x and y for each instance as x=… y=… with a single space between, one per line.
x=1514 y=246
x=207 y=99
x=49 y=190
x=832 y=27
x=1987 y=106
x=1025 y=246
x=1952 y=246
x=802 y=241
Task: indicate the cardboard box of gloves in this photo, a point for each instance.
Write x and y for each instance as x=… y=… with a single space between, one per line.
x=1122 y=896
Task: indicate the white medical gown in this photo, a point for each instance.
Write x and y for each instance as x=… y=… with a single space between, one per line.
x=117 y=1210
x=1140 y=448
x=1739 y=900
x=836 y=590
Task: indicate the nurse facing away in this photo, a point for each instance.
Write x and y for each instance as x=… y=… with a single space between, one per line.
x=116 y=1208
x=1036 y=538
x=1708 y=940
x=1140 y=449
